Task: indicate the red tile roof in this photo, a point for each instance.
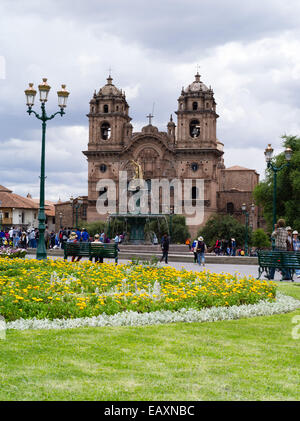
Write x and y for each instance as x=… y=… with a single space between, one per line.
x=12 y=200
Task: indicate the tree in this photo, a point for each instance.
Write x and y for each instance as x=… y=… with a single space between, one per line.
x=260 y=239
x=225 y=227
x=93 y=228
x=161 y=226
x=288 y=188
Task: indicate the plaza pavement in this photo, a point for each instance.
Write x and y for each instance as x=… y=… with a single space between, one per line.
x=241 y=270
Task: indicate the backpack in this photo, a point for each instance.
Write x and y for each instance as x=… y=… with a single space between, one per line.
x=200 y=247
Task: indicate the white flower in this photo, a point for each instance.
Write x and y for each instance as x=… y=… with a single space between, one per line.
x=283 y=304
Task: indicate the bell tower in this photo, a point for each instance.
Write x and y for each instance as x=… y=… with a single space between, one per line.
x=109 y=122
x=196 y=116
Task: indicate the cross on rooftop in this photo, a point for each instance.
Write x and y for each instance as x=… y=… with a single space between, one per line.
x=150 y=116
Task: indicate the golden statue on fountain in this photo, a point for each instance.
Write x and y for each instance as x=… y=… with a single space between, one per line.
x=138 y=170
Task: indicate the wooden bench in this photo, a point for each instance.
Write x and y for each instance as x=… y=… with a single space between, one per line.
x=90 y=250
x=279 y=260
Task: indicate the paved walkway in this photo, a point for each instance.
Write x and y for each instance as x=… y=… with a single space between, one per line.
x=242 y=270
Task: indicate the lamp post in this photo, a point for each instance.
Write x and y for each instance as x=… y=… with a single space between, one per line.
x=30 y=93
x=244 y=210
x=76 y=206
x=72 y=204
x=60 y=219
x=269 y=155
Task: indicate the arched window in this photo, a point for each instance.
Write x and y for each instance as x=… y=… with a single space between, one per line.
x=105 y=131
x=194 y=128
x=105 y=108
x=117 y=108
x=230 y=208
x=195 y=105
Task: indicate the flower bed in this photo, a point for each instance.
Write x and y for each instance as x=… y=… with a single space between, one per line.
x=55 y=289
x=283 y=304
x=12 y=253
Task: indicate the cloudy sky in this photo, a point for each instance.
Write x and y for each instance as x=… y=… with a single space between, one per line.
x=249 y=52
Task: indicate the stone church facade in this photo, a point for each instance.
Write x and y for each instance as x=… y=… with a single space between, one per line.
x=188 y=150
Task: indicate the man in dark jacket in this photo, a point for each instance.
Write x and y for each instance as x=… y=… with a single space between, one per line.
x=165 y=248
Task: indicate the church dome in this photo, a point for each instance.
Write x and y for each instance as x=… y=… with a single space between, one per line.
x=196 y=86
x=110 y=89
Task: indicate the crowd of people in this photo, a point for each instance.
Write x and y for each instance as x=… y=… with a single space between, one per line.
x=286 y=239
x=18 y=238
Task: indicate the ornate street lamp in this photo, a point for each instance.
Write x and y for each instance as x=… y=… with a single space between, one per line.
x=60 y=219
x=76 y=206
x=244 y=210
x=269 y=155
x=30 y=93
x=72 y=204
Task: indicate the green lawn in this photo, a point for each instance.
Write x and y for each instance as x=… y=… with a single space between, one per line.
x=247 y=359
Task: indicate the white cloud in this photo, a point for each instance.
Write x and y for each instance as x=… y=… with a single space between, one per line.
x=250 y=58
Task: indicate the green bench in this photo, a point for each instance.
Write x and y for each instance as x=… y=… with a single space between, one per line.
x=90 y=250
x=278 y=260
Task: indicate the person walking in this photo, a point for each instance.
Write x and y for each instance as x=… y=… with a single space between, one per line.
x=194 y=246
x=16 y=240
x=11 y=234
x=233 y=247
x=165 y=248
x=23 y=240
x=46 y=237
x=52 y=239
x=201 y=249
x=280 y=235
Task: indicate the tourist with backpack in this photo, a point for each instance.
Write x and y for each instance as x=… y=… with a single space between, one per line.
x=200 y=250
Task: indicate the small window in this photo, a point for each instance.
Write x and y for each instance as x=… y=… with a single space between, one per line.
x=105 y=108
x=105 y=131
x=195 y=128
x=6 y=215
x=195 y=105
x=103 y=167
x=230 y=208
x=117 y=108
x=194 y=166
